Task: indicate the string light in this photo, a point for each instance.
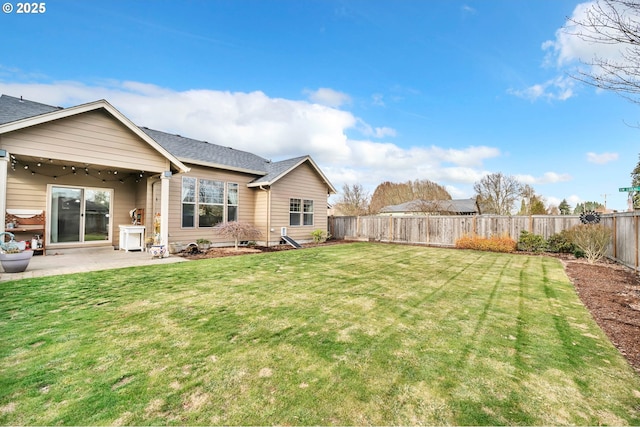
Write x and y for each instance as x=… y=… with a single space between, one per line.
x=137 y=176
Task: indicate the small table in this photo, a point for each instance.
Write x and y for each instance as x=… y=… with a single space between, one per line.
x=132 y=237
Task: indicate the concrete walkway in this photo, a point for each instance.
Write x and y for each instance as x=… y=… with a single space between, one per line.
x=81 y=260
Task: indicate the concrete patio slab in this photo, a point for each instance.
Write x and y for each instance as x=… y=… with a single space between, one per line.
x=82 y=260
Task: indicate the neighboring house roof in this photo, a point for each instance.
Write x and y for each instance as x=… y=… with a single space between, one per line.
x=31 y=113
x=16 y=113
x=459 y=206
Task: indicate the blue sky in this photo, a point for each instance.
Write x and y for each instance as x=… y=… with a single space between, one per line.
x=374 y=91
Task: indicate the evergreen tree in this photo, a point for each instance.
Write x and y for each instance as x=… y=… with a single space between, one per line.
x=635 y=182
x=564 y=207
x=587 y=206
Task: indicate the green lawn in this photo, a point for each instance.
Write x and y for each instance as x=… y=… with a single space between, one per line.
x=346 y=334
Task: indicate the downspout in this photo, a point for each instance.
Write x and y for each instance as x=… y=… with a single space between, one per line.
x=4 y=165
x=268 y=213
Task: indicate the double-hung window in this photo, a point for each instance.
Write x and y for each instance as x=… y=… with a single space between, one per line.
x=188 y=202
x=300 y=212
x=307 y=212
x=232 y=201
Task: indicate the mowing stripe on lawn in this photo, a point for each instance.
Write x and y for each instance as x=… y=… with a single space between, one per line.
x=336 y=335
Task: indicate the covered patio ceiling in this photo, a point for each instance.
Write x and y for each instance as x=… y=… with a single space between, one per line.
x=56 y=168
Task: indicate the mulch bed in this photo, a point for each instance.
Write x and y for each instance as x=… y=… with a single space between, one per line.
x=611 y=292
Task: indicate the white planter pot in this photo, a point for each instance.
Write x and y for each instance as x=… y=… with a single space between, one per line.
x=15 y=263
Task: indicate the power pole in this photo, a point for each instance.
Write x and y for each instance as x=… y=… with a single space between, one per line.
x=605 y=201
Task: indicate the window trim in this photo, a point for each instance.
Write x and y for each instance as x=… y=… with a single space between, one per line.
x=197 y=204
x=301 y=213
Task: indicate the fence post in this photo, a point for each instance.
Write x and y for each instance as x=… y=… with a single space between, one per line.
x=635 y=232
x=391 y=228
x=615 y=237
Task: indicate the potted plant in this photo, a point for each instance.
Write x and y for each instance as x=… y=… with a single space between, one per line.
x=13 y=258
x=149 y=242
x=203 y=244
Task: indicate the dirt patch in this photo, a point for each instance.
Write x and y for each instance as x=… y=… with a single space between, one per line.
x=611 y=292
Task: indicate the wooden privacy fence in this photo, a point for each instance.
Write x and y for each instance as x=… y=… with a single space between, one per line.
x=436 y=230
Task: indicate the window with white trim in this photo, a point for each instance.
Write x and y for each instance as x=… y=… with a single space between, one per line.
x=210 y=202
x=188 y=202
x=307 y=212
x=232 y=201
x=300 y=212
x=207 y=202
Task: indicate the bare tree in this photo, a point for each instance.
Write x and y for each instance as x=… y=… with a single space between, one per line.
x=420 y=190
x=532 y=204
x=237 y=230
x=611 y=22
x=497 y=193
x=354 y=200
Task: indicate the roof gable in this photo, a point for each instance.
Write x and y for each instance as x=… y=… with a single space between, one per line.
x=277 y=170
x=32 y=114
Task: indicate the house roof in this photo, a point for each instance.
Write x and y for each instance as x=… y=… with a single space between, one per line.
x=16 y=113
x=13 y=109
x=30 y=113
x=456 y=205
x=207 y=154
x=277 y=170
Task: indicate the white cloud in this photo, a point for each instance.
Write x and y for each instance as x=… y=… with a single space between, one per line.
x=568 y=48
x=328 y=97
x=546 y=178
x=276 y=128
x=571 y=52
x=601 y=158
x=557 y=89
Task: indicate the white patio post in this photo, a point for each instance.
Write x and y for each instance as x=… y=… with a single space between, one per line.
x=164 y=210
x=4 y=165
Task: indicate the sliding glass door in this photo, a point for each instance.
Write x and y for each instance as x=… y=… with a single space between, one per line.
x=80 y=214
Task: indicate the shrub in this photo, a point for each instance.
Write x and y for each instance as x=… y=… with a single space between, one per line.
x=561 y=243
x=319 y=236
x=530 y=242
x=237 y=230
x=592 y=239
x=492 y=244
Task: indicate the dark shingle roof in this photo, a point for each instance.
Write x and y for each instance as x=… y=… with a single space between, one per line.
x=13 y=109
x=199 y=152
x=275 y=169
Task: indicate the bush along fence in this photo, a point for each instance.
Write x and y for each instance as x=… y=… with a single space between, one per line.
x=436 y=230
